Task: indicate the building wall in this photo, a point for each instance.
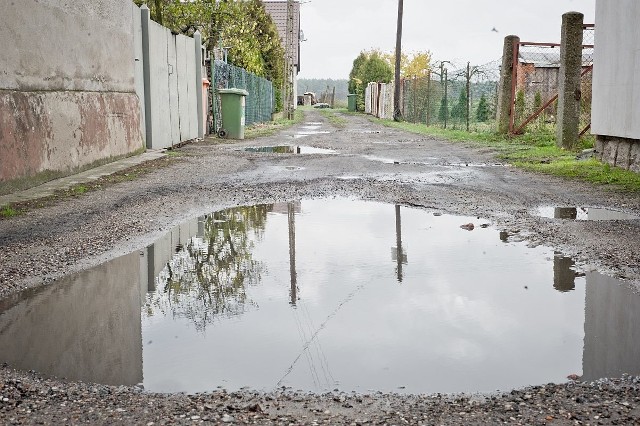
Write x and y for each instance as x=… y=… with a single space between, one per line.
x=616 y=88
x=278 y=12
x=67 y=88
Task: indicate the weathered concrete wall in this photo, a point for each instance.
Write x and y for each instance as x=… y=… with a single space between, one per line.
x=139 y=66
x=81 y=45
x=67 y=87
x=171 y=99
x=569 y=84
x=619 y=152
x=61 y=131
x=616 y=87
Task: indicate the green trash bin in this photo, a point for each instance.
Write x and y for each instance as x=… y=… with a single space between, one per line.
x=351 y=98
x=232 y=106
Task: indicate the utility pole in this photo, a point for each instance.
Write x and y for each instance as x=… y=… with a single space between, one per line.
x=287 y=93
x=397 y=114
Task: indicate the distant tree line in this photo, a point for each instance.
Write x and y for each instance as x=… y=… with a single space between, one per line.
x=320 y=85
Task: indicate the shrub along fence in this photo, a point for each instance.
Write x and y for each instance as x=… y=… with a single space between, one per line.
x=259 y=103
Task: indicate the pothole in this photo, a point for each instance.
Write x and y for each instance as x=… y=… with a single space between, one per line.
x=583 y=213
x=328 y=294
x=290 y=149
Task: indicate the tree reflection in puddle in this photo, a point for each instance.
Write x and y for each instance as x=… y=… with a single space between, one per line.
x=208 y=277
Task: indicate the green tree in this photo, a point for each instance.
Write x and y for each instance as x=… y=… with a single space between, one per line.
x=368 y=67
x=520 y=104
x=482 y=112
x=443 y=112
x=376 y=69
x=459 y=110
x=243 y=26
x=356 y=71
x=537 y=104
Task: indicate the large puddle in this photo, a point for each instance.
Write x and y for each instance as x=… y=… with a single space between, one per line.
x=328 y=294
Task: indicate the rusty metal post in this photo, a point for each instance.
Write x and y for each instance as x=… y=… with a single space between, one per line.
x=569 y=90
x=508 y=80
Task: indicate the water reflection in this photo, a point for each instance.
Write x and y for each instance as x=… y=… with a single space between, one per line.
x=288 y=149
x=208 y=275
x=612 y=331
x=397 y=253
x=564 y=275
x=281 y=295
x=565 y=213
x=84 y=327
x=584 y=213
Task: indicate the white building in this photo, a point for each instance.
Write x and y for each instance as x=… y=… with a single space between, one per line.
x=616 y=86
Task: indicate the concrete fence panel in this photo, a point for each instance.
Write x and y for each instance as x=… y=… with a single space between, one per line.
x=172 y=103
x=67 y=88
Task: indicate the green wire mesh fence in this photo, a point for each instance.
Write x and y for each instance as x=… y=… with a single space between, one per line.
x=453 y=97
x=260 y=101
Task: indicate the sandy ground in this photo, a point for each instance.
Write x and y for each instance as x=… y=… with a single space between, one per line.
x=371 y=162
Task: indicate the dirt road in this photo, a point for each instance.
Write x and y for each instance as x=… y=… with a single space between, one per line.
x=369 y=162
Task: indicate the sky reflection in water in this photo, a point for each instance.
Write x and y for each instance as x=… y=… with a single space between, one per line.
x=326 y=294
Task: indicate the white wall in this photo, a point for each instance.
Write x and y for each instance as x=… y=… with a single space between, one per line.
x=616 y=72
x=173 y=85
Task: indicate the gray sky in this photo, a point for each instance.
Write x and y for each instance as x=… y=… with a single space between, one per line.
x=454 y=30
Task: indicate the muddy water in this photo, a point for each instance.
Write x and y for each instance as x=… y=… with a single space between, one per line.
x=328 y=294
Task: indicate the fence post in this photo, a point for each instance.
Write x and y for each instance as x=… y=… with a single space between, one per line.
x=145 y=17
x=569 y=91
x=198 y=42
x=505 y=93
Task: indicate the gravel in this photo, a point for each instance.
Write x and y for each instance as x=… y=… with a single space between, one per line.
x=74 y=233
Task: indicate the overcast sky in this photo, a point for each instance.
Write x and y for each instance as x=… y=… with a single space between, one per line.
x=454 y=30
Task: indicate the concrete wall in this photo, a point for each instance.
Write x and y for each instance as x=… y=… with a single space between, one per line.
x=172 y=99
x=67 y=87
x=86 y=82
x=616 y=88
